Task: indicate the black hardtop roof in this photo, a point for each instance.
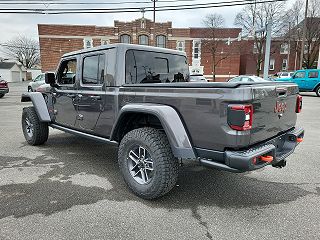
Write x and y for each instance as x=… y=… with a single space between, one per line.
x=126 y=46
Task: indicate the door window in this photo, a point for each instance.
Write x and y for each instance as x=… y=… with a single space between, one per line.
x=300 y=75
x=313 y=74
x=67 y=72
x=93 y=69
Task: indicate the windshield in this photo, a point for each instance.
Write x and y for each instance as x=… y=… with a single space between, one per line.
x=154 y=67
x=258 y=79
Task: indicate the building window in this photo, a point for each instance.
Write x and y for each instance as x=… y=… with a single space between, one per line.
x=196 y=49
x=284 y=64
x=105 y=41
x=284 y=48
x=271 y=64
x=125 y=38
x=143 y=40
x=180 y=46
x=87 y=43
x=161 y=41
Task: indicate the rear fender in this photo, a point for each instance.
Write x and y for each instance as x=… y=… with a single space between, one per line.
x=39 y=104
x=171 y=123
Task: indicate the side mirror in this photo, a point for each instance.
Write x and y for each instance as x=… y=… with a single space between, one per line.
x=50 y=78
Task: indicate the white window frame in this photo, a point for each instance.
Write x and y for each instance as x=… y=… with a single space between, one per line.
x=255 y=48
x=85 y=40
x=284 y=48
x=286 y=62
x=182 y=48
x=271 y=64
x=199 y=49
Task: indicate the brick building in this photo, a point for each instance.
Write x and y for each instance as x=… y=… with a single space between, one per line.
x=55 y=40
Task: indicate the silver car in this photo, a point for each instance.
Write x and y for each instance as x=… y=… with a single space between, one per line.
x=39 y=80
x=247 y=78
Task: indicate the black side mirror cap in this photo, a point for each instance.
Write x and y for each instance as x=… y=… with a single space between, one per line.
x=50 y=78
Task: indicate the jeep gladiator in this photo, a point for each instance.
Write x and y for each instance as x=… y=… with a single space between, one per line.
x=140 y=99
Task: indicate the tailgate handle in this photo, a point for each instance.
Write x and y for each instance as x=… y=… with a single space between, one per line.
x=281 y=92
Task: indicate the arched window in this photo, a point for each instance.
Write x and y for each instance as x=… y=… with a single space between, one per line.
x=180 y=46
x=143 y=40
x=161 y=41
x=125 y=38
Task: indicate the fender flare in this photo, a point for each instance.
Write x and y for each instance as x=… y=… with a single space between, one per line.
x=39 y=105
x=170 y=120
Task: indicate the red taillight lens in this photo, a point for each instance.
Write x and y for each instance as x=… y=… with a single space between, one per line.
x=299 y=104
x=240 y=117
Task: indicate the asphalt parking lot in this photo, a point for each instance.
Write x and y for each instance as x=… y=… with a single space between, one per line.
x=70 y=188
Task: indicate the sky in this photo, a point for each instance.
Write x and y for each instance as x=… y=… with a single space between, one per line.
x=12 y=25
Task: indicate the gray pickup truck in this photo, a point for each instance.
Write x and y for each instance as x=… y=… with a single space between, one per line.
x=140 y=99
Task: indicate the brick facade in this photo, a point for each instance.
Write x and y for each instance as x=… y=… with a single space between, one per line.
x=56 y=40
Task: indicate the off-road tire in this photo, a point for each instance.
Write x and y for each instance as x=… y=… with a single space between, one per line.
x=40 y=130
x=165 y=165
x=1 y=95
x=318 y=91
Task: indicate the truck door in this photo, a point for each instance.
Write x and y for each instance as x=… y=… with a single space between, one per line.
x=64 y=93
x=91 y=91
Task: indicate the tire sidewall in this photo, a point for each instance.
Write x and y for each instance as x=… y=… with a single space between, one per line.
x=143 y=189
x=25 y=114
x=318 y=91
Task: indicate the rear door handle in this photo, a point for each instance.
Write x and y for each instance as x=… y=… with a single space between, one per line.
x=71 y=95
x=95 y=97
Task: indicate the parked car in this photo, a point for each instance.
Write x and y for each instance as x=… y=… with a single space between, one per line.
x=197 y=78
x=247 y=78
x=44 y=88
x=142 y=102
x=284 y=74
x=4 y=87
x=308 y=80
x=39 y=80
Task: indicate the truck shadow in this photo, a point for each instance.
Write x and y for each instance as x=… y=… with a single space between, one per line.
x=67 y=156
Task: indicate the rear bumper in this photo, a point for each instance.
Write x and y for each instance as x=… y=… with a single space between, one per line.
x=278 y=148
x=4 y=90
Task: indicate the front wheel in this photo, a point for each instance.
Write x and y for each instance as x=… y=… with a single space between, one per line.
x=34 y=131
x=318 y=91
x=147 y=164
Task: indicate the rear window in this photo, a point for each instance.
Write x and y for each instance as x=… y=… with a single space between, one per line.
x=313 y=74
x=154 y=67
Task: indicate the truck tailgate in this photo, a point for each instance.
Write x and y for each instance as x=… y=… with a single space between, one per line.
x=274 y=110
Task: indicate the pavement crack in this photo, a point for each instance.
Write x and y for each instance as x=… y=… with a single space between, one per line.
x=197 y=216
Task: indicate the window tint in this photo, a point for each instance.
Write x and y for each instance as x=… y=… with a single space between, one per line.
x=93 y=69
x=313 y=74
x=300 y=75
x=67 y=72
x=152 y=67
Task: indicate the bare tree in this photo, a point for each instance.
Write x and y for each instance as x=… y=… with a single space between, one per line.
x=255 y=16
x=23 y=49
x=211 y=43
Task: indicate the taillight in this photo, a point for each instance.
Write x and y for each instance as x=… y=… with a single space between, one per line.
x=299 y=104
x=240 y=117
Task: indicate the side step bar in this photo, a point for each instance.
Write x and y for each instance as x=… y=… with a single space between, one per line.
x=219 y=166
x=81 y=134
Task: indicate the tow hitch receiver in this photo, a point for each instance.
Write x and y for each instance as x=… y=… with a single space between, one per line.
x=267 y=158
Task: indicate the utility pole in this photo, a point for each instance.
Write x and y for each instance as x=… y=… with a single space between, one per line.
x=154 y=10
x=267 y=53
x=303 y=34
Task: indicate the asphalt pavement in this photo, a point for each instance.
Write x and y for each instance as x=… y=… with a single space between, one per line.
x=71 y=188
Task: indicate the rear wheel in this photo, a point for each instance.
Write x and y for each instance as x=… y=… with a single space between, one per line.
x=147 y=164
x=35 y=132
x=29 y=89
x=1 y=95
x=318 y=91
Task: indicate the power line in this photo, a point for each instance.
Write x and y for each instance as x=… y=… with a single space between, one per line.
x=131 y=10
x=53 y=2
